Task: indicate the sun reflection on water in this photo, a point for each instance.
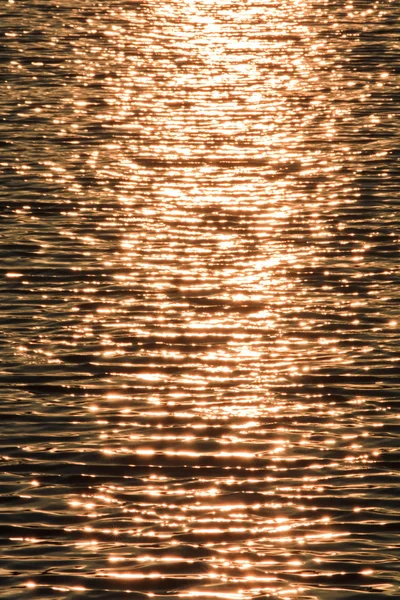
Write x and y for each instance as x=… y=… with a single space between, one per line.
x=213 y=307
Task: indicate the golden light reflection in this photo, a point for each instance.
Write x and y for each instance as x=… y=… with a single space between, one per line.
x=212 y=294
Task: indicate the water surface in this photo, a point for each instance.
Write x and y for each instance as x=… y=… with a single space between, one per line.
x=200 y=299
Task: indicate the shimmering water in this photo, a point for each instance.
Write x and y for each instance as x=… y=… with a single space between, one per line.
x=200 y=299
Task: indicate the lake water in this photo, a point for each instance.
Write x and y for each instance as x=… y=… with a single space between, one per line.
x=200 y=298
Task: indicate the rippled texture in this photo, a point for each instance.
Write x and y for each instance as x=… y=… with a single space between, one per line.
x=200 y=299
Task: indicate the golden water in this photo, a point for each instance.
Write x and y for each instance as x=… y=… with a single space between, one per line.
x=200 y=299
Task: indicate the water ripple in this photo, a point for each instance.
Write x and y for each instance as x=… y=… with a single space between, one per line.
x=199 y=280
